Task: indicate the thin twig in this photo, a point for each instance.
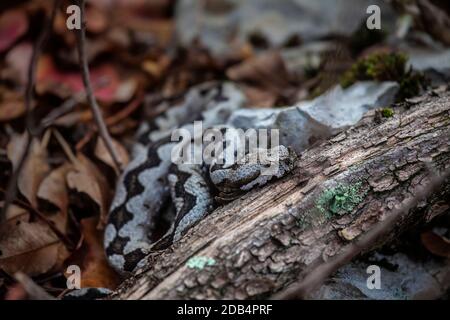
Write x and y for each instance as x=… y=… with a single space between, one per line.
x=103 y=130
x=32 y=68
x=66 y=148
x=26 y=206
x=30 y=126
x=313 y=280
x=125 y=112
x=34 y=291
x=68 y=105
x=113 y=120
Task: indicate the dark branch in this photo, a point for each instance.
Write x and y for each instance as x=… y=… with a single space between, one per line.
x=103 y=130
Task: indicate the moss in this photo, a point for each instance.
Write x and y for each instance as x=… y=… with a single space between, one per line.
x=386 y=67
x=387 y=112
x=411 y=85
x=339 y=200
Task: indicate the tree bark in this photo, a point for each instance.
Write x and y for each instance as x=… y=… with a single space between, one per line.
x=277 y=235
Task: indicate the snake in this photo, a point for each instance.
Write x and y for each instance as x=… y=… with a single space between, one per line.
x=152 y=184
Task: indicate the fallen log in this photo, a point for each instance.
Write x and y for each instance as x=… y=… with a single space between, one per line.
x=260 y=244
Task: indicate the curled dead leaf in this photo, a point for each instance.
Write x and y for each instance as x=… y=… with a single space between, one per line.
x=102 y=153
x=265 y=76
x=12 y=105
x=53 y=188
x=435 y=20
x=86 y=178
x=436 y=244
x=96 y=20
x=17 y=61
x=95 y=269
x=13 y=24
x=65 y=83
x=36 y=165
x=29 y=245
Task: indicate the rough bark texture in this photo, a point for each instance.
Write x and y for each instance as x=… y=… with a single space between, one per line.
x=274 y=236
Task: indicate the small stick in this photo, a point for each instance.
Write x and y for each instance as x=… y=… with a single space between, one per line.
x=113 y=120
x=103 y=130
x=67 y=106
x=24 y=205
x=125 y=112
x=34 y=291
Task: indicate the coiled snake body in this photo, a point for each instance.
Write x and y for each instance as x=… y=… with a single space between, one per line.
x=151 y=178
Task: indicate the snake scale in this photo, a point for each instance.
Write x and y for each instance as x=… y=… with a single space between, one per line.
x=151 y=180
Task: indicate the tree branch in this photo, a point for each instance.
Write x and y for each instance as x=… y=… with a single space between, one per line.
x=273 y=237
x=103 y=130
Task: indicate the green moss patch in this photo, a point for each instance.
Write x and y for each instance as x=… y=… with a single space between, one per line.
x=386 y=67
x=387 y=112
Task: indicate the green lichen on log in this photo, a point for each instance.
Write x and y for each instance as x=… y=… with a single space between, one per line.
x=339 y=200
x=200 y=262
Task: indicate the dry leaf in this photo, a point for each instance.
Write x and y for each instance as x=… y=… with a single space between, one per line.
x=30 y=246
x=436 y=244
x=64 y=83
x=86 y=178
x=265 y=76
x=90 y=257
x=13 y=24
x=12 y=105
x=53 y=188
x=96 y=20
x=103 y=154
x=17 y=61
x=435 y=20
x=35 y=168
x=16 y=292
x=259 y=97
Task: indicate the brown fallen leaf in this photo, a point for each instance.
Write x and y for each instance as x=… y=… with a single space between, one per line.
x=435 y=21
x=90 y=257
x=13 y=24
x=12 y=105
x=97 y=20
x=29 y=245
x=102 y=153
x=36 y=165
x=259 y=97
x=53 y=188
x=86 y=178
x=436 y=244
x=267 y=73
x=50 y=78
x=17 y=63
x=16 y=292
